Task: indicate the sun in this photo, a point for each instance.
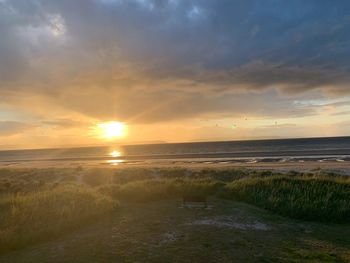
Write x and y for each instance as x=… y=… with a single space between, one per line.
x=111 y=130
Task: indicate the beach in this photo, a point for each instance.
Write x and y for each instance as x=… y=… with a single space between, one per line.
x=212 y=131
x=303 y=154
x=261 y=201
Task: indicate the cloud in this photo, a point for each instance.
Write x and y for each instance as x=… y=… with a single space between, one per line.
x=157 y=60
x=347 y=112
x=63 y=123
x=8 y=128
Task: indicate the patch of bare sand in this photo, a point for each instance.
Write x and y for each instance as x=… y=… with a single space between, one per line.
x=168 y=237
x=230 y=222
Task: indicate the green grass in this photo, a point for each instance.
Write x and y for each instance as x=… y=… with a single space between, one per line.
x=315 y=196
x=302 y=198
x=26 y=219
x=24 y=181
x=37 y=205
x=160 y=231
x=150 y=190
x=98 y=176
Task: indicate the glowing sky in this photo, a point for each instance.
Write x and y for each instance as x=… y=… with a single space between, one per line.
x=172 y=70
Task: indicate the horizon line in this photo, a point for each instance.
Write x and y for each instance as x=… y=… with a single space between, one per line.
x=180 y=142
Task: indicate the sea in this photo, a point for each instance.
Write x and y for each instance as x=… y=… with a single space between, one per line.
x=331 y=149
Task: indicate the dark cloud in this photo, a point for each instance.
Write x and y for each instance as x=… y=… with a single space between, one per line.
x=153 y=60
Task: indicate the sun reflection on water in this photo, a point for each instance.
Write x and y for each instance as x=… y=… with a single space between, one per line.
x=115 y=162
x=115 y=154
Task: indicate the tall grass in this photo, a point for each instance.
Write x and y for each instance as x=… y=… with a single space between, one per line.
x=26 y=219
x=311 y=196
x=98 y=176
x=301 y=198
x=20 y=181
x=149 y=190
x=39 y=204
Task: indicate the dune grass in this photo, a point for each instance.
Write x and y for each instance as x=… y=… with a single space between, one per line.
x=150 y=190
x=317 y=195
x=317 y=199
x=24 y=181
x=27 y=219
x=40 y=204
x=98 y=176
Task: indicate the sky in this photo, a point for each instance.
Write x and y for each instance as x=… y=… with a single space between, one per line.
x=172 y=70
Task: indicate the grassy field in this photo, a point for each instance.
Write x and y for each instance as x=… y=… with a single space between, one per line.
x=129 y=215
